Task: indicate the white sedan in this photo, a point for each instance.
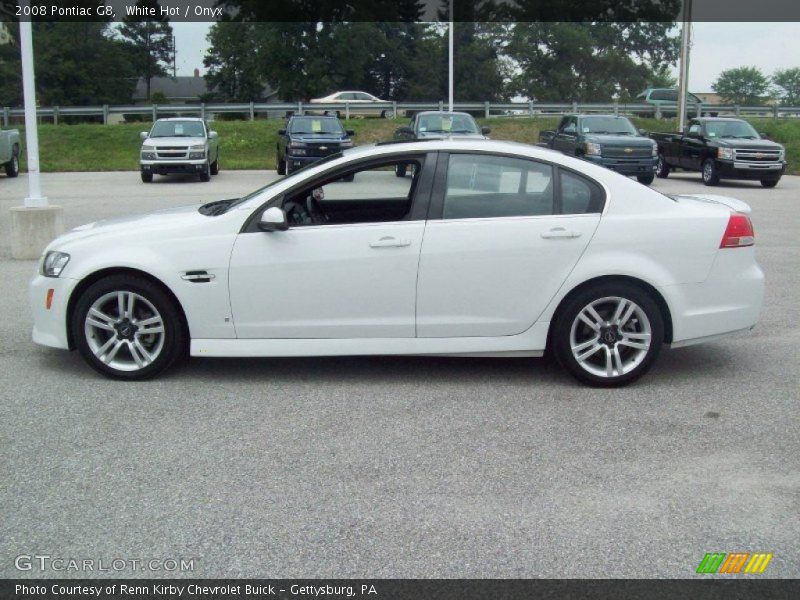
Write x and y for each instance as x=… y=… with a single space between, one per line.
x=489 y=249
x=359 y=103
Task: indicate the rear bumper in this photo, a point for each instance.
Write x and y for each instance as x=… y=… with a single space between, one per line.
x=626 y=166
x=729 y=300
x=50 y=326
x=750 y=170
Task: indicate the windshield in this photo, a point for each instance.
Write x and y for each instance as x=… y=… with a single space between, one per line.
x=731 y=129
x=447 y=124
x=178 y=129
x=309 y=125
x=616 y=125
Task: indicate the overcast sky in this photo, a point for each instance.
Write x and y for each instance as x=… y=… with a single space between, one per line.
x=716 y=47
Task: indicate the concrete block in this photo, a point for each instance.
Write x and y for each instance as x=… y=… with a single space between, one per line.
x=33 y=228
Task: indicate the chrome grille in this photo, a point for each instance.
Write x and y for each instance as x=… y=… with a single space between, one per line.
x=757 y=155
x=172 y=152
x=627 y=151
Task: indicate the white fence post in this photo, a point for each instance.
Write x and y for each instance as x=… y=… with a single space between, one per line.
x=347 y=110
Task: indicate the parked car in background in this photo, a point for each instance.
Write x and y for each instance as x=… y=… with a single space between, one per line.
x=179 y=145
x=607 y=140
x=307 y=139
x=356 y=102
x=667 y=101
x=493 y=248
x=437 y=124
x=721 y=148
x=9 y=151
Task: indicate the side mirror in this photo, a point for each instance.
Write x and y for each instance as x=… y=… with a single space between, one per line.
x=351 y=132
x=281 y=132
x=273 y=219
x=486 y=130
x=212 y=135
x=405 y=131
x=642 y=132
x=143 y=135
x=763 y=135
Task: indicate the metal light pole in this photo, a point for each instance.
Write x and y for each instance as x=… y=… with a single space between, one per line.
x=683 y=83
x=450 y=61
x=35 y=198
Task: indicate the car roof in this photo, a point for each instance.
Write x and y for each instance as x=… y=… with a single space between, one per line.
x=716 y=119
x=315 y=117
x=181 y=119
x=442 y=112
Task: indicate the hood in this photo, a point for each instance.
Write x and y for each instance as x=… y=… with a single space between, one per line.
x=742 y=144
x=619 y=140
x=175 y=141
x=169 y=218
x=435 y=135
x=732 y=203
x=319 y=138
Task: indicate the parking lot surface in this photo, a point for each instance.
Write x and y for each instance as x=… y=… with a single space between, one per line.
x=401 y=466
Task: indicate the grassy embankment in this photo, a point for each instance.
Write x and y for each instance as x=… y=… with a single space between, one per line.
x=251 y=145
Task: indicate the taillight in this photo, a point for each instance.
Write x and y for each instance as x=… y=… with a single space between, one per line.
x=738 y=233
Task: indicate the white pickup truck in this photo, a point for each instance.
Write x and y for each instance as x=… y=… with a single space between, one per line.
x=179 y=145
x=9 y=151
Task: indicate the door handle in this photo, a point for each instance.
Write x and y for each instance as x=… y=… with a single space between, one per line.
x=389 y=242
x=560 y=232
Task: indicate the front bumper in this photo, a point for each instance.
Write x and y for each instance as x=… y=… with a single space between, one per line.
x=626 y=166
x=163 y=167
x=50 y=325
x=737 y=169
x=298 y=162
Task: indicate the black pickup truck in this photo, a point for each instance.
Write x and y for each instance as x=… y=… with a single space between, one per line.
x=721 y=148
x=607 y=140
x=305 y=140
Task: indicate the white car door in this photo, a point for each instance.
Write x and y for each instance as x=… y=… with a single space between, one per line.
x=351 y=277
x=505 y=234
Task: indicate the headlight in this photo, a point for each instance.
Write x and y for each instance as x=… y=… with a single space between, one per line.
x=197 y=148
x=347 y=143
x=655 y=150
x=148 y=155
x=148 y=148
x=53 y=263
x=592 y=149
x=725 y=153
x=782 y=153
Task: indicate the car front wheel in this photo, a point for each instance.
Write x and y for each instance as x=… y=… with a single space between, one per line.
x=645 y=179
x=662 y=169
x=126 y=327
x=608 y=335
x=769 y=183
x=710 y=173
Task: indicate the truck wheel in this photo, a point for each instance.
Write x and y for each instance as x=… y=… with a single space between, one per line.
x=769 y=183
x=147 y=176
x=710 y=173
x=645 y=179
x=215 y=166
x=662 y=169
x=281 y=166
x=205 y=174
x=12 y=166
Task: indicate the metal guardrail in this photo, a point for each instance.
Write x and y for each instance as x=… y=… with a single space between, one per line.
x=253 y=110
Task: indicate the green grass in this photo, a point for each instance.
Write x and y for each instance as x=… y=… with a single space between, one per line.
x=251 y=144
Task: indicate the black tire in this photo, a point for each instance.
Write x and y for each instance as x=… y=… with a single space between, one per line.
x=147 y=176
x=215 y=166
x=175 y=337
x=205 y=174
x=281 y=166
x=662 y=169
x=12 y=166
x=568 y=315
x=769 y=183
x=645 y=179
x=710 y=174
x=400 y=170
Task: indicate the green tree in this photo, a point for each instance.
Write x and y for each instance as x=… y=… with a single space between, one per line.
x=746 y=86
x=788 y=84
x=150 y=42
x=233 y=62
x=587 y=62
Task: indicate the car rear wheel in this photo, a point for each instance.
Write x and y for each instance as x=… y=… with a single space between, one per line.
x=662 y=169
x=12 y=166
x=769 y=183
x=710 y=173
x=608 y=335
x=645 y=179
x=126 y=327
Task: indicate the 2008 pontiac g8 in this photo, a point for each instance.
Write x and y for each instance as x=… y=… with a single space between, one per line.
x=486 y=249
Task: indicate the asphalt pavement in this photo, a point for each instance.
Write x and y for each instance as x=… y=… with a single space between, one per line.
x=400 y=466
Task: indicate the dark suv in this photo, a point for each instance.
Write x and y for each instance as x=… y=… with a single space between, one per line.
x=307 y=139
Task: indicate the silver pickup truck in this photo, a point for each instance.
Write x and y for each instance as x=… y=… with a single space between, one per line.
x=179 y=145
x=9 y=151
